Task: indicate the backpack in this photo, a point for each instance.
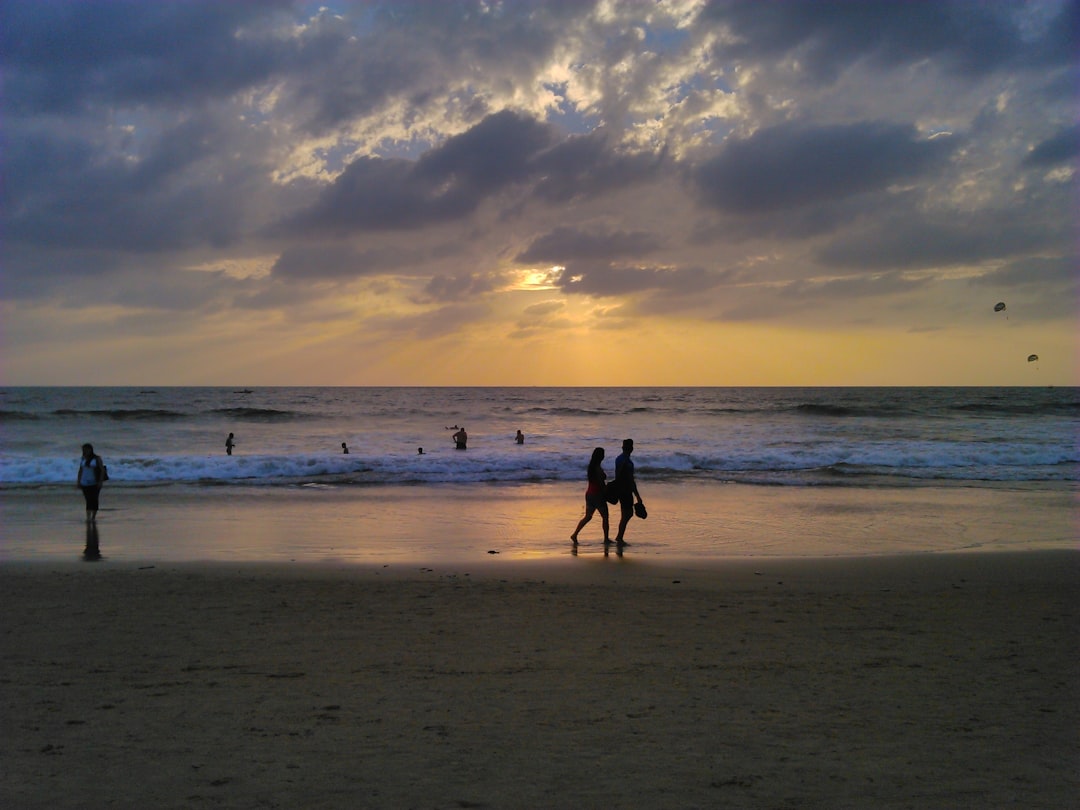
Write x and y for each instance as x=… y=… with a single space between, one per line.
x=613 y=491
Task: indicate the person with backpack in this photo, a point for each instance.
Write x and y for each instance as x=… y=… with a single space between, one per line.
x=90 y=480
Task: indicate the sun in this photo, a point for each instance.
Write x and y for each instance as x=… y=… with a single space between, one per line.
x=534 y=279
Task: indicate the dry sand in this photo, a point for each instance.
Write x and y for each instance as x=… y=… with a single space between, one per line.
x=930 y=681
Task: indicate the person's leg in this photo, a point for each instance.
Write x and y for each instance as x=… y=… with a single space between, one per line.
x=90 y=494
x=581 y=525
x=589 y=509
x=627 y=506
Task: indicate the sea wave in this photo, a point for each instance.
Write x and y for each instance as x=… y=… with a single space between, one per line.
x=795 y=465
x=1019 y=409
x=259 y=414
x=120 y=414
x=828 y=409
x=18 y=416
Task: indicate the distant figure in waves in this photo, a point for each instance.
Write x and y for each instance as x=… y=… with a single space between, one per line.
x=419 y=451
x=90 y=479
x=230 y=443
x=594 y=496
x=345 y=448
x=460 y=439
x=624 y=479
x=520 y=438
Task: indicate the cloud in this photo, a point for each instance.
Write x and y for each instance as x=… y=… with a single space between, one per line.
x=601 y=280
x=544 y=309
x=826 y=37
x=917 y=240
x=790 y=166
x=1036 y=270
x=853 y=287
x=172 y=190
x=407 y=161
x=62 y=57
x=463 y=287
x=566 y=243
x=339 y=261
x=586 y=166
x=450 y=182
x=1064 y=147
x=446 y=184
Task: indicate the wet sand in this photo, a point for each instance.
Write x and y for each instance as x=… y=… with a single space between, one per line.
x=459 y=524
x=922 y=681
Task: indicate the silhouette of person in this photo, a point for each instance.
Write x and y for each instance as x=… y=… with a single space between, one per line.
x=594 y=496
x=90 y=479
x=345 y=448
x=460 y=439
x=627 y=486
x=230 y=443
x=520 y=438
x=419 y=451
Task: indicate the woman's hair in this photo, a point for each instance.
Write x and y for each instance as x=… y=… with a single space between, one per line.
x=597 y=457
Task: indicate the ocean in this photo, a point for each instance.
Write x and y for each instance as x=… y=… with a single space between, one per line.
x=722 y=457
x=753 y=436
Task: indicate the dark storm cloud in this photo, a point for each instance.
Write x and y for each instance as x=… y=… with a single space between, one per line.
x=62 y=56
x=491 y=155
x=71 y=192
x=587 y=166
x=1064 y=147
x=789 y=166
x=827 y=36
x=566 y=243
x=447 y=183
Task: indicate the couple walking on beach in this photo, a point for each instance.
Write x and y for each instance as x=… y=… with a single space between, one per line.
x=622 y=490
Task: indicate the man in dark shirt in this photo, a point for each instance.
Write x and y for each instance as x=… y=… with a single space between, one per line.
x=624 y=476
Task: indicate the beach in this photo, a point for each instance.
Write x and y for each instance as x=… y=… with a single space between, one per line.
x=925 y=680
x=458 y=524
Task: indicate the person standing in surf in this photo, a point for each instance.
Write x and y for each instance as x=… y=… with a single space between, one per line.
x=461 y=439
x=90 y=479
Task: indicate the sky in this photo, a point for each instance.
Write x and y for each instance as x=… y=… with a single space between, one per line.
x=683 y=192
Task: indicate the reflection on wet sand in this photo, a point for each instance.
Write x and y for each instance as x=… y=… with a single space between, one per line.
x=92 y=552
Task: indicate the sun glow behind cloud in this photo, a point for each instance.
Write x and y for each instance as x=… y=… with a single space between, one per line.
x=537 y=279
